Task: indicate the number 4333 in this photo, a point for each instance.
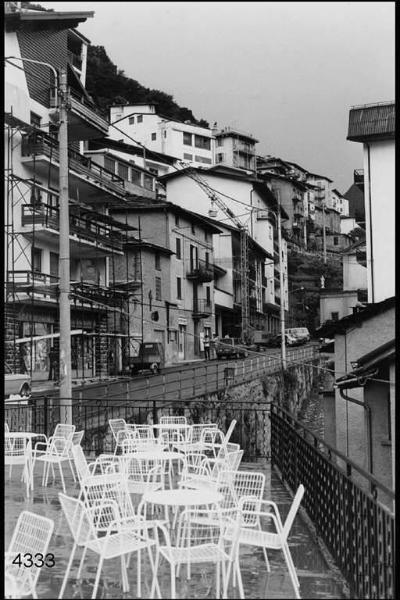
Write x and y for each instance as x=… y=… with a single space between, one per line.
x=37 y=560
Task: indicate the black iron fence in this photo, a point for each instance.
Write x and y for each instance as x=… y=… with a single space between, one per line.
x=344 y=503
x=41 y=415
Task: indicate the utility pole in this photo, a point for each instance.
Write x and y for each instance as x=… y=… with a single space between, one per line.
x=64 y=257
x=323 y=230
x=281 y=283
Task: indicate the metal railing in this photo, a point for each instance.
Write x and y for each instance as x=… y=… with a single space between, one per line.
x=86 y=228
x=200 y=270
x=344 y=503
x=41 y=415
x=40 y=143
x=202 y=306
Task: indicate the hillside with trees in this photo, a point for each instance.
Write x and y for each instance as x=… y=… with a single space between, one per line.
x=109 y=85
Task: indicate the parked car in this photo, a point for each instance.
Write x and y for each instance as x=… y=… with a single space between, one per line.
x=16 y=384
x=230 y=348
x=150 y=357
x=301 y=333
x=276 y=340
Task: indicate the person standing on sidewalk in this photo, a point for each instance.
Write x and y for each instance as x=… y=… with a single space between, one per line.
x=206 y=344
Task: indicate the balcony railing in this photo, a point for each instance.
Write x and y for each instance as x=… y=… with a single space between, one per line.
x=43 y=284
x=49 y=217
x=42 y=144
x=343 y=501
x=202 y=307
x=201 y=271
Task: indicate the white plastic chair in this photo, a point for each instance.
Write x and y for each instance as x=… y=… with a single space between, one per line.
x=123 y=535
x=120 y=430
x=31 y=536
x=85 y=470
x=199 y=543
x=173 y=420
x=76 y=441
x=55 y=452
x=18 y=451
x=63 y=430
x=266 y=510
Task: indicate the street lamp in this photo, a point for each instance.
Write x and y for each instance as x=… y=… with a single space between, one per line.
x=64 y=253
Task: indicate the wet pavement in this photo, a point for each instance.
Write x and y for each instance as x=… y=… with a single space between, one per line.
x=317 y=579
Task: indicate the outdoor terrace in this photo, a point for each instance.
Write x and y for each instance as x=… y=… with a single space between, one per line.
x=317 y=579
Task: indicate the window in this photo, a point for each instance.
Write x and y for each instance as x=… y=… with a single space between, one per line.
x=153 y=136
x=178 y=248
x=177 y=220
x=208 y=295
x=148 y=182
x=136 y=176
x=220 y=157
x=37 y=260
x=165 y=134
x=179 y=288
x=157 y=261
x=187 y=138
x=109 y=164
x=193 y=230
x=123 y=171
x=139 y=119
x=200 y=141
x=335 y=316
x=187 y=156
x=207 y=259
x=35 y=119
x=335 y=241
x=158 y=288
x=220 y=142
x=202 y=159
x=131 y=120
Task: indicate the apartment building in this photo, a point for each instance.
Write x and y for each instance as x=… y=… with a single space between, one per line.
x=235 y=148
x=184 y=141
x=340 y=203
x=373 y=125
x=174 y=254
x=249 y=203
x=32 y=200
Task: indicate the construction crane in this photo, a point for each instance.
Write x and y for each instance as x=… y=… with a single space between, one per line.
x=244 y=243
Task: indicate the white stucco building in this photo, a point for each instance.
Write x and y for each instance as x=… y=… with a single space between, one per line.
x=184 y=141
x=374 y=126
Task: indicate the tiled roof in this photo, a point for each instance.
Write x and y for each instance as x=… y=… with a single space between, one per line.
x=372 y=121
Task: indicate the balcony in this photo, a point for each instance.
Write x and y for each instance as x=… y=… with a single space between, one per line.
x=87 y=179
x=202 y=308
x=84 y=121
x=200 y=271
x=87 y=235
x=43 y=288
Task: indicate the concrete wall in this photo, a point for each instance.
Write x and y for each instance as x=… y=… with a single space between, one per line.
x=351 y=419
x=341 y=303
x=379 y=189
x=354 y=274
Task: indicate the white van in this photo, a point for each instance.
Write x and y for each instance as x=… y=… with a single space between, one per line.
x=301 y=333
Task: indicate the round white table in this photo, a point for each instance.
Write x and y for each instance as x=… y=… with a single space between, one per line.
x=15 y=458
x=182 y=497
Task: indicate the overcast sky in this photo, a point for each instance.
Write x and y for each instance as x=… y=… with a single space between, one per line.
x=287 y=72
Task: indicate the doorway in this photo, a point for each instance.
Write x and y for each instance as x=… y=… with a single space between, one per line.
x=181 y=342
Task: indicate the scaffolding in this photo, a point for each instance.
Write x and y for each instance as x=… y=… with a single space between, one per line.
x=100 y=314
